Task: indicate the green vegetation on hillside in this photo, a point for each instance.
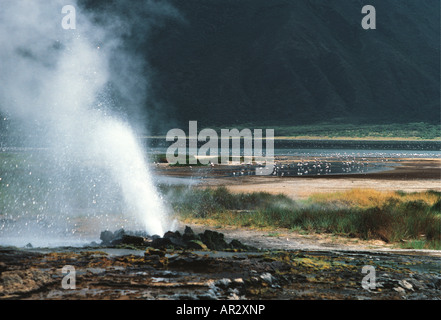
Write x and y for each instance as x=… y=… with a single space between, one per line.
x=410 y=131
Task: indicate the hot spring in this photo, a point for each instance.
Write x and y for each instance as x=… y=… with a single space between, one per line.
x=71 y=164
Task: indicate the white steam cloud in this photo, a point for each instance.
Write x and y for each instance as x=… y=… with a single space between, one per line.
x=54 y=85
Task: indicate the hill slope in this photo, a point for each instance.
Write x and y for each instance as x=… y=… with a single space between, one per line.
x=294 y=62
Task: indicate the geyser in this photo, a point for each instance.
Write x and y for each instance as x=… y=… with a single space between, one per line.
x=56 y=92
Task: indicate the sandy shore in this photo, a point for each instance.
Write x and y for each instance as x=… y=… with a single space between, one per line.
x=303 y=188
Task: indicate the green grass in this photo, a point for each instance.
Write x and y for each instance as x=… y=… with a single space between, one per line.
x=412 y=131
x=392 y=217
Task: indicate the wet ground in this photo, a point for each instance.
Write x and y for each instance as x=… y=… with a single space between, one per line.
x=175 y=274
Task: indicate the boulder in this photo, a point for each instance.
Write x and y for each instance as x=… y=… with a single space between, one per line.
x=120 y=237
x=132 y=240
x=176 y=239
x=161 y=243
x=236 y=244
x=196 y=245
x=106 y=237
x=189 y=235
x=214 y=240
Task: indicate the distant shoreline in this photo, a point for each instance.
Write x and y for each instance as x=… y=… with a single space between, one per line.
x=385 y=139
x=326 y=138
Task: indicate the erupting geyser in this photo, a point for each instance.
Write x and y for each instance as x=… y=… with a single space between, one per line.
x=56 y=88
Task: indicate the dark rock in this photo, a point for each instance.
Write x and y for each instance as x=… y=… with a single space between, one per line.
x=120 y=237
x=171 y=234
x=112 y=238
x=106 y=237
x=132 y=240
x=189 y=235
x=214 y=240
x=196 y=245
x=236 y=244
x=118 y=234
x=437 y=283
x=178 y=243
x=161 y=243
x=209 y=240
x=223 y=283
x=176 y=239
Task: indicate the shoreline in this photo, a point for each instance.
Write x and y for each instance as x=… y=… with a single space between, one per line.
x=327 y=138
x=408 y=175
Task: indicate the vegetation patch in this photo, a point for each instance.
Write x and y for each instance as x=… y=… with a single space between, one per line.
x=407 y=219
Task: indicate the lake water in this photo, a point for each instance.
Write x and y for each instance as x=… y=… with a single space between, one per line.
x=332 y=148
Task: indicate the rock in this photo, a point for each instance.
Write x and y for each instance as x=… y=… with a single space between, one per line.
x=119 y=233
x=406 y=285
x=399 y=290
x=154 y=252
x=386 y=281
x=233 y=294
x=120 y=237
x=171 y=234
x=24 y=281
x=236 y=244
x=214 y=240
x=437 y=283
x=223 y=283
x=196 y=245
x=417 y=285
x=112 y=238
x=189 y=235
x=210 y=295
x=176 y=239
x=106 y=237
x=161 y=243
x=267 y=277
x=132 y=240
x=209 y=240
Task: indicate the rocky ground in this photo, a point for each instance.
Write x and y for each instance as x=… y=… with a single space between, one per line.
x=189 y=265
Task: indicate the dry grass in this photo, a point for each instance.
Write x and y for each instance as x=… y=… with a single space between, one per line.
x=366 y=198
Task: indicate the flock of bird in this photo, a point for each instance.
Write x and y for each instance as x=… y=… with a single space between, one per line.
x=311 y=167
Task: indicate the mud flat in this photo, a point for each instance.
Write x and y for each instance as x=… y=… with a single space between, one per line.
x=409 y=175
